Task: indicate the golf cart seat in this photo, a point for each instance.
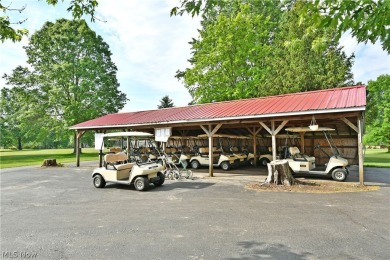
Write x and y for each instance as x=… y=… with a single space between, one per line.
x=297 y=156
x=204 y=151
x=114 y=150
x=117 y=161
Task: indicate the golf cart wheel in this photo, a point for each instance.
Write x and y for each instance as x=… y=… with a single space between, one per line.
x=339 y=175
x=251 y=162
x=98 y=181
x=161 y=181
x=141 y=183
x=264 y=161
x=225 y=166
x=236 y=164
x=195 y=164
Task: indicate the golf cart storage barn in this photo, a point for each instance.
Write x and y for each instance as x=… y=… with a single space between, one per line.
x=266 y=117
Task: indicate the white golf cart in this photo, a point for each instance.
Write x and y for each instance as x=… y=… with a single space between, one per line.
x=184 y=151
x=262 y=158
x=117 y=169
x=263 y=153
x=304 y=164
x=220 y=159
x=233 y=142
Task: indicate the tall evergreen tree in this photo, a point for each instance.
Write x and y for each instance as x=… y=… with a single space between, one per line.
x=165 y=102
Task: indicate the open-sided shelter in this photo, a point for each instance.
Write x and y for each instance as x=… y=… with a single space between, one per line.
x=338 y=108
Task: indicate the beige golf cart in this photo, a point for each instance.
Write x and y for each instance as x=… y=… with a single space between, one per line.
x=118 y=169
x=220 y=158
x=304 y=164
x=184 y=151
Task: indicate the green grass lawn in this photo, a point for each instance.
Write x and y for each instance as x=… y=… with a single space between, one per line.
x=377 y=158
x=11 y=158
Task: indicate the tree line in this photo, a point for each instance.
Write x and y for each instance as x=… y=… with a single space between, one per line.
x=70 y=79
x=258 y=48
x=245 y=48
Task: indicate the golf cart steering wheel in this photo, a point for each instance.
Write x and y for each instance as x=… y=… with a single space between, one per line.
x=138 y=162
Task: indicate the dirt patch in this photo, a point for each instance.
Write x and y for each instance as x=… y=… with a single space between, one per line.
x=313 y=187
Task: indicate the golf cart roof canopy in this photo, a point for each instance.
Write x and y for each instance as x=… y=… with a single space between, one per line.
x=307 y=129
x=126 y=134
x=180 y=137
x=217 y=136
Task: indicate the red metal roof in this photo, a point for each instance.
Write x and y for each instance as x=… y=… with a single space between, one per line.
x=312 y=102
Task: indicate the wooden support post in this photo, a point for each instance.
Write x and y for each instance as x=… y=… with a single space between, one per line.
x=303 y=142
x=273 y=136
x=360 y=150
x=254 y=150
x=79 y=134
x=359 y=130
x=254 y=133
x=210 y=133
x=211 y=155
x=273 y=133
x=77 y=150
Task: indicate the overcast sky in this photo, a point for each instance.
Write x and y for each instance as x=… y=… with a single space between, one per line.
x=149 y=46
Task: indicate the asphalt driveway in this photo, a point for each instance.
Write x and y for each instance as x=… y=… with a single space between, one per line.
x=56 y=213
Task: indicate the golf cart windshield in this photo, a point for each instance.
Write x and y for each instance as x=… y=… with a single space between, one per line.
x=325 y=130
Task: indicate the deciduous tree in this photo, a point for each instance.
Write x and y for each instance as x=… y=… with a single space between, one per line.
x=229 y=58
x=72 y=77
x=304 y=60
x=7 y=31
x=367 y=20
x=243 y=53
x=378 y=112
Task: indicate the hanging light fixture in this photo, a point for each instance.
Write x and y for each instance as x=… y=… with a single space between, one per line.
x=313 y=124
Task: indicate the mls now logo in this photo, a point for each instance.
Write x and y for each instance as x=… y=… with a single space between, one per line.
x=18 y=254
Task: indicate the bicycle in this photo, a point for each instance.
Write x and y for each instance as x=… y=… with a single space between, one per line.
x=185 y=172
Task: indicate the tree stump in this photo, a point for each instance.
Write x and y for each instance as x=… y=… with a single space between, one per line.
x=49 y=162
x=279 y=173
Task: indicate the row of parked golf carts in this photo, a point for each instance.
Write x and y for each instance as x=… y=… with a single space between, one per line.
x=229 y=152
x=135 y=158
